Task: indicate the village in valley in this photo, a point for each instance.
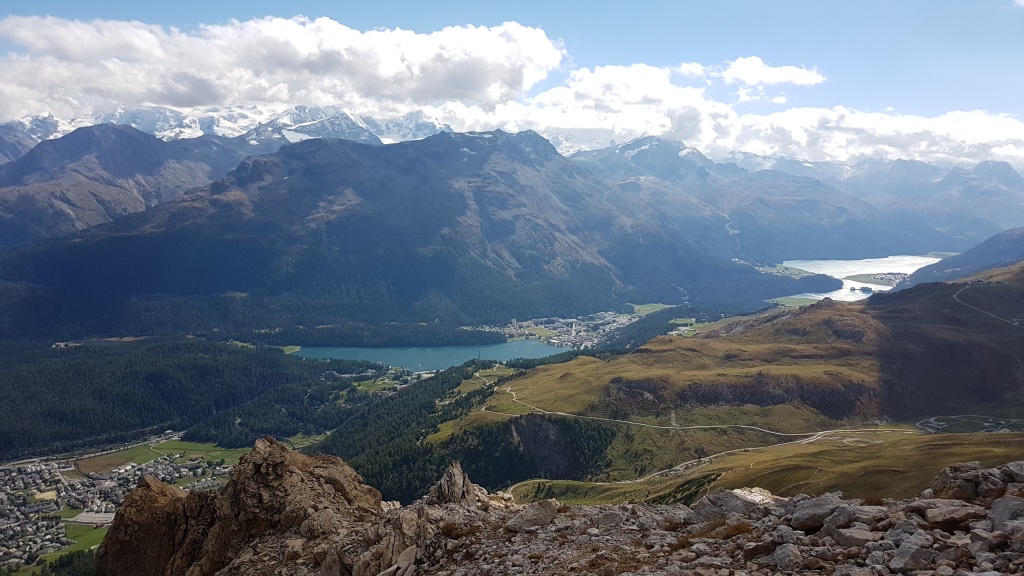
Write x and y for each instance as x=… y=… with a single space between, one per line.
x=55 y=506
x=578 y=333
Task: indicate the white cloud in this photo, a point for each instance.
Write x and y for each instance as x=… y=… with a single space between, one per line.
x=695 y=69
x=751 y=70
x=1019 y=3
x=268 y=60
x=474 y=78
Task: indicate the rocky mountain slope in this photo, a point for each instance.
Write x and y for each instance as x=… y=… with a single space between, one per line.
x=285 y=513
x=98 y=173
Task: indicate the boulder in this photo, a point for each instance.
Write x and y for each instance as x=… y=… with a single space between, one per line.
x=910 y=558
x=810 y=514
x=535 y=515
x=1005 y=510
x=788 y=557
x=953 y=518
x=752 y=503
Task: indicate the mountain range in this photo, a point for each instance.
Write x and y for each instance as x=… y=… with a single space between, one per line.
x=457 y=228
x=231 y=122
x=965 y=203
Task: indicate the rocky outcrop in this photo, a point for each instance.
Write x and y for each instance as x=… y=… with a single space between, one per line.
x=277 y=506
x=288 y=514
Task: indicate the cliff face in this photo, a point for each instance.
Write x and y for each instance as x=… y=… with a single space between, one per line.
x=289 y=514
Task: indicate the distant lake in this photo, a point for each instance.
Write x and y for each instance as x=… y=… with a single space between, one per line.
x=843 y=268
x=438 y=358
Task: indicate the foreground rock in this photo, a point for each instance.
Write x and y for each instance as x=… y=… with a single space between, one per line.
x=289 y=514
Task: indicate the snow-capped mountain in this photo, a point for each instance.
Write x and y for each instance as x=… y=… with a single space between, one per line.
x=568 y=144
x=229 y=122
x=305 y=122
x=292 y=124
x=412 y=126
x=42 y=126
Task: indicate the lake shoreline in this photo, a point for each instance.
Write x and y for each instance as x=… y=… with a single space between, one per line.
x=418 y=359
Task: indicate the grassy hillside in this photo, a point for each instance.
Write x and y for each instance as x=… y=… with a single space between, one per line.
x=758 y=387
x=869 y=464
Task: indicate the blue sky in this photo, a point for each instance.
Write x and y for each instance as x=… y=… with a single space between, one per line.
x=925 y=59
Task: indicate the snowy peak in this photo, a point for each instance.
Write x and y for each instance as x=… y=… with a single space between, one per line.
x=44 y=126
x=305 y=122
x=412 y=126
x=229 y=122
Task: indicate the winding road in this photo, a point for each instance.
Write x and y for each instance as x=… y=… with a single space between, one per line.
x=802 y=438
x=956 y=297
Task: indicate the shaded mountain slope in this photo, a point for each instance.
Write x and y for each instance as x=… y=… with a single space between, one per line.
x=456 y=228
x=96 y=174
x=766 y=216
x=1003 y=249
x=14 y=142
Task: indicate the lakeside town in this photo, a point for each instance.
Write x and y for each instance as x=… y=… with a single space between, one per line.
x=579 y=333
x=42 y=502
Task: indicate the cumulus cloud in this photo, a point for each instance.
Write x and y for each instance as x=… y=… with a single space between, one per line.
x=268 y=60
x=751 y=70
x=510 y=76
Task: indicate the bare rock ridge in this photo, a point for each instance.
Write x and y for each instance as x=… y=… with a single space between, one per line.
x=285 y=513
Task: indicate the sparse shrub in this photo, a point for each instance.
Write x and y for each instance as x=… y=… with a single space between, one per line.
x=680 y=543
x=453 y=531
x=670 y=524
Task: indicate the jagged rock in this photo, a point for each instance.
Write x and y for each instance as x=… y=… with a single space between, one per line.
x=454 y=488
x=958 y=481
x=154 y=509
x=272 y=492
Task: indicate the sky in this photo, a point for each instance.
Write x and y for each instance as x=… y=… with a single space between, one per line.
x=935 y=80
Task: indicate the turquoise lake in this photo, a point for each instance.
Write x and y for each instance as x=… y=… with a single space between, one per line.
x=438 y=358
